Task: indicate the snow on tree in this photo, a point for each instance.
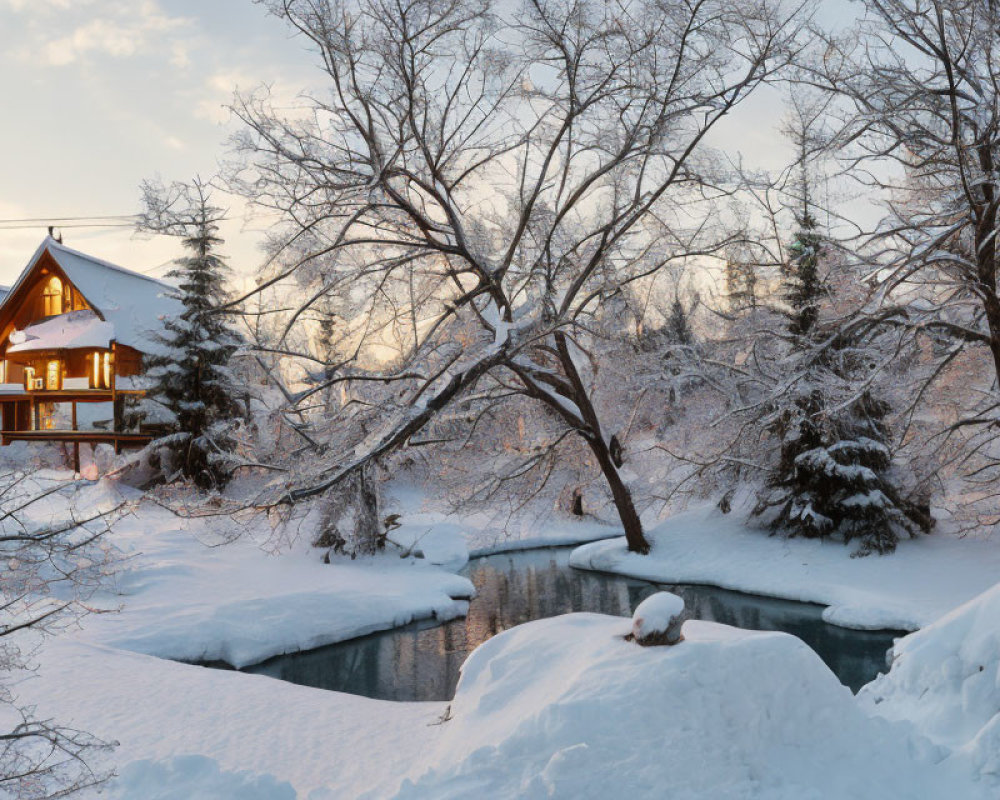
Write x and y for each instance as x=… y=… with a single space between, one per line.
x=920 y=84
x=803 y=287
x=835 y=476
x=834 y=472
x=488 y=181
x=741 y=281
x=678 y=328
x=195 y=394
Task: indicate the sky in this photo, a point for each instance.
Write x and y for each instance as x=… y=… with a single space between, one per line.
x=101 y=94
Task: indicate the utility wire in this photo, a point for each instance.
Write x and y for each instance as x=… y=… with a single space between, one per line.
x=72 y=219
x=71 y=225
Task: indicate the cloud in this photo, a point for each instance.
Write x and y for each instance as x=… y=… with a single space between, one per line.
x=219 y=90
x=42 y=5
x=95 y=28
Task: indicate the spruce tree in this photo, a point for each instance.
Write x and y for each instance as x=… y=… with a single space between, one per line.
x=834 y=475
x=678 y=327
x=803 y=285
x=194 y=392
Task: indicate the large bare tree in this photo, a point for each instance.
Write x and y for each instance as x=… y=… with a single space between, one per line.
x=490 y=175
x=922 y=81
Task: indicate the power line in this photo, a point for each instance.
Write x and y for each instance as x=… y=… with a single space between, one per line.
x=4 y=227
x=72 y=219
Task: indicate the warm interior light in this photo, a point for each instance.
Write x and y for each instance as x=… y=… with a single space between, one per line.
x=107 y=370
x=53 y=296
x=95 y=382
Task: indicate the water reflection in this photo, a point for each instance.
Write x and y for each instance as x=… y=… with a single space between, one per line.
x=422 y=661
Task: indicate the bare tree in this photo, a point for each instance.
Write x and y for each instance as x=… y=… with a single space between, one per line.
x=518 y=168
x=51 y=567
x=922 y=80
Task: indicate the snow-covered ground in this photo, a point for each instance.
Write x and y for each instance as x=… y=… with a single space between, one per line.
x=566 y=708
x=945 y=680
x=563 y=707
x=924 y=579
x=450 y=539
x=237 y=603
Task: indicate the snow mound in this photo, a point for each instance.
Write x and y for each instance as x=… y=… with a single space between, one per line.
x=442 y=545
x=194 y=777
x=655 y=614
x=946 y=680
x=565 y=707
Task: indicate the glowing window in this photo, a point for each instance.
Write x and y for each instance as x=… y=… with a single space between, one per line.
x=100 y=376
x=53 y=372
x=52 y=296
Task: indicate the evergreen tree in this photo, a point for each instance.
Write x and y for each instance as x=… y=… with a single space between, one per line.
x=194 y=392
x=803 y=287
x=834 y=475
x=678 y=327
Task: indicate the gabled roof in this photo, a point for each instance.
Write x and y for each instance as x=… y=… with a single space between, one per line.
x=133 y=303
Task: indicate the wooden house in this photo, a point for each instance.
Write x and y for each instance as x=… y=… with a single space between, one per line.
x=73 y=333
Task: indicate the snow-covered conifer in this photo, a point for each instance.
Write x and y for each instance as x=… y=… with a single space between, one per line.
x=834 y=473
x=803 y=286
x=194 y=392
x=678 y=328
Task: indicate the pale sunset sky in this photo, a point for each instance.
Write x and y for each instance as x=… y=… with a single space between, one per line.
x=101 y=94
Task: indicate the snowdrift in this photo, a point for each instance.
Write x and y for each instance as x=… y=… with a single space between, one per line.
x=945 y=679
x=565 y=707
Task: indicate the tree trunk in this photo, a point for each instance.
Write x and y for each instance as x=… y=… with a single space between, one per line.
x=637 y=542
x=595 y=439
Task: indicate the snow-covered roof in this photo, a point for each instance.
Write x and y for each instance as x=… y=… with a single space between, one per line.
x=132 y=303
x=66 y=331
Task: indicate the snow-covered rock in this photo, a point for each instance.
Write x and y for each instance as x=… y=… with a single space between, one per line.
x=658 y=619
x=946 y=680
x=566 y=708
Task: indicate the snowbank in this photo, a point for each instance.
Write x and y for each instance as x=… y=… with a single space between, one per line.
x=428 y=524
x=195 y=778
x=945 y=679
x=220 y=735
x=924 y=579
x=239 y=604
x=565 y=707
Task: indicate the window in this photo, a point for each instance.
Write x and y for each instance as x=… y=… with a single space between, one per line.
x=100 y=376
x=52 y=297
x=29 y=377
x=53 y=375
